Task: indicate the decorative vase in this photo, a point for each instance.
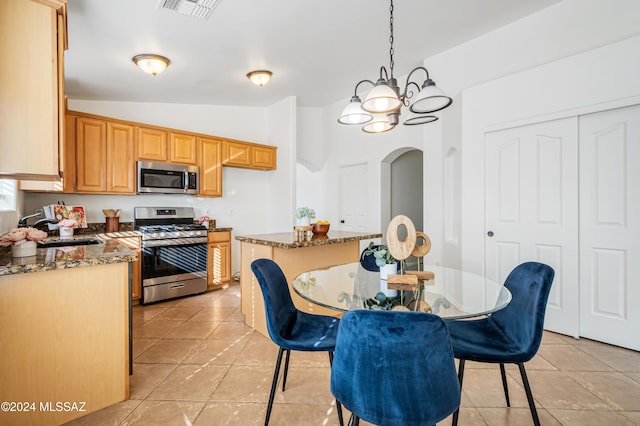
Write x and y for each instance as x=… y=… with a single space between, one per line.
x=386 y=270
x=24 y=248
x=304 y=221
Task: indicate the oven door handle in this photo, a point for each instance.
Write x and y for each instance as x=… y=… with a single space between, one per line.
x=186 y=181
x=177 y=286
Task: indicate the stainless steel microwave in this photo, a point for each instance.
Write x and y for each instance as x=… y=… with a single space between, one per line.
x=166 y=178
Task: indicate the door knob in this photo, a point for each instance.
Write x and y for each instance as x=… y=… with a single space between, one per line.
x=490 y=233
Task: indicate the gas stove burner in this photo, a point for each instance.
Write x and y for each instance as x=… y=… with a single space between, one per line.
x=193 y=227
x=171 y=228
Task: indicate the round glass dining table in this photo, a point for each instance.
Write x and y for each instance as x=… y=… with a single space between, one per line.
x=452 y=294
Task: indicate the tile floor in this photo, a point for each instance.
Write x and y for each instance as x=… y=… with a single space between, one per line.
x=195 y=362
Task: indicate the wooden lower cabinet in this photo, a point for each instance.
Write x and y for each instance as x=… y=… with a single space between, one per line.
x=134 y=243
x=219 y=259
x=64 y=338
x=293 y=262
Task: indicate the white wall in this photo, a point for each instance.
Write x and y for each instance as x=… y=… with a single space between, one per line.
x=348 y=145
x=560 y=31
x=537 y=43
x=572 y=87
x=253 y=202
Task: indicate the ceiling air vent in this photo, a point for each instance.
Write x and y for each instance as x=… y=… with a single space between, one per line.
x=199 y=8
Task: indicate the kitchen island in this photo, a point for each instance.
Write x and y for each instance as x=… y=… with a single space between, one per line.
x=65 y=332
x=294 y=253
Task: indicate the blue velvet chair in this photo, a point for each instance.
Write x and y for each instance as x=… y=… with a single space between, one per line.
x=511 y=335
x=289 y=328
x=394 y=368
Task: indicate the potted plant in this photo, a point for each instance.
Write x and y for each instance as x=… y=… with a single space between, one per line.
x=387 y=264
x=304 y=215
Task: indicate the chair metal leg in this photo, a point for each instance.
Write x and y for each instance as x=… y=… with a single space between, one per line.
x=504 y=384
x=527 y=389
x=276 y=373
x=286 y=368
x=460 y=377
x=338 y=405
x=354 y=420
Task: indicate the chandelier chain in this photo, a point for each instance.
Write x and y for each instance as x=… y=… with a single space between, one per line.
x=391 y=39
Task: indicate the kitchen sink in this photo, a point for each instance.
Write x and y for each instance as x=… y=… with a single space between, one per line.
x=74 y=242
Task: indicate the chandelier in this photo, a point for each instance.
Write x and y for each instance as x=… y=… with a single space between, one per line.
x=381 y=109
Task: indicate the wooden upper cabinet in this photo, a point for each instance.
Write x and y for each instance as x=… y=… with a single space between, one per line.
x=91 y=154
x=121 y=165
x=32 y=40
x=101 y=153
x=210 y=155
x=105 y=156
x=264 y=157
x=237 y=154
x=182 y=148
x=152 y=144
x=248 y=155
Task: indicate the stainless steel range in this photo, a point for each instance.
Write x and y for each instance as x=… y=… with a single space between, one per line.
x=174 y=252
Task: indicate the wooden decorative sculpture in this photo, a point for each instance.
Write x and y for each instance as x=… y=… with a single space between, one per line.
x=401 y=250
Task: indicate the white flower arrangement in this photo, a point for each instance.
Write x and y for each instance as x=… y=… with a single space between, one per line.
x=305 y=212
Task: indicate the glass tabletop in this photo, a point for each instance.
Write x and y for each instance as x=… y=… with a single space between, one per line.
x=452 y=294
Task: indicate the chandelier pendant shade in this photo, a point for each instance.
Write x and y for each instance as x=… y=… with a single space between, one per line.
x=381 y=98
x=381 y=109
x=354 y=114
x=379 y=124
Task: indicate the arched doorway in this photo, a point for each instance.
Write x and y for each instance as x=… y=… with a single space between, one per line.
x=402 y=189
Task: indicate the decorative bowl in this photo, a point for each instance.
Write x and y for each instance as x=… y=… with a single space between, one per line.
x=320 y=228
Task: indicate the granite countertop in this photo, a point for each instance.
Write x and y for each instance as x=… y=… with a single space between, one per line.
x=47 y=259
x=220 y=229
x=294 y=240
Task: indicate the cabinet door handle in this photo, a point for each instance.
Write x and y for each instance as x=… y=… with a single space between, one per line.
x=490 y=234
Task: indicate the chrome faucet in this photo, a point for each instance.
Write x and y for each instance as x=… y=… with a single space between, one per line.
x=22 y=223
x=39 y=224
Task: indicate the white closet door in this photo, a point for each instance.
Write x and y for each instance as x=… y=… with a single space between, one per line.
x=610 y=226
x=531 y=210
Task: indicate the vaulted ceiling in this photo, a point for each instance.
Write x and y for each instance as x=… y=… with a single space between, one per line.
x=317 y=50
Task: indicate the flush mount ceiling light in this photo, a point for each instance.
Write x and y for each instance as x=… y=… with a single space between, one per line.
x=381 y=109
x=152 y=64
x=260 y=77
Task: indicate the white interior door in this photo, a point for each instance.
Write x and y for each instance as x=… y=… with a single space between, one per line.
x=353 y=198
x=610 y=226
x=532 y=208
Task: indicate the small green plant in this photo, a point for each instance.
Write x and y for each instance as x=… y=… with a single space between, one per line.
x=381 y=253
x=305 y=212
x=382 y=302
